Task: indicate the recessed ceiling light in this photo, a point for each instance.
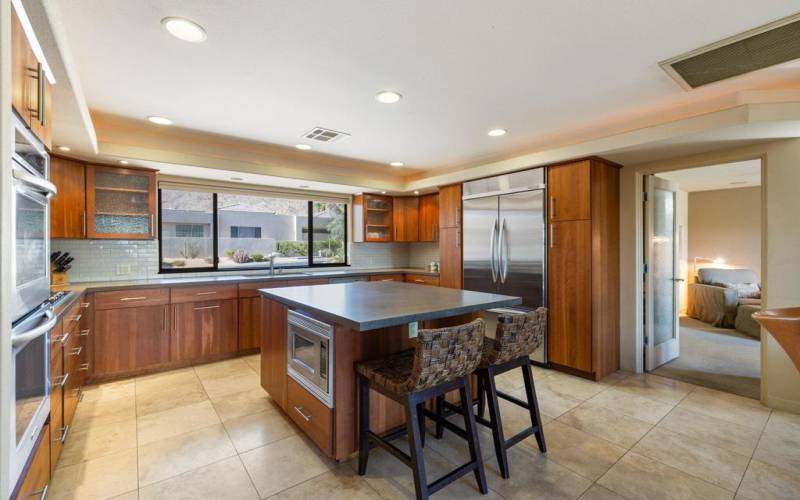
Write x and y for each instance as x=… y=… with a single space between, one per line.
x=303 y=186
x=303 y=147
x=416 y=192
x=184 y=29
x=124 y=162
x=159 y=120
x=397 y=164
x=388 y=96
x=63 y=148
x=359 y=194
x=383 y=192
x=497 y=132
x=237 y=178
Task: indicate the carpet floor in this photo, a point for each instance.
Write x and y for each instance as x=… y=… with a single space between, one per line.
x=716 y=358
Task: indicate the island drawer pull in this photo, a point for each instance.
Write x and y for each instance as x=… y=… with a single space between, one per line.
x=126 y=299
x=299 y=409
x=206 y=293
x=206 y=307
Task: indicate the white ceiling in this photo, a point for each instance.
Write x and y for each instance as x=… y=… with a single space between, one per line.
x=734 y=175
x=270 y=71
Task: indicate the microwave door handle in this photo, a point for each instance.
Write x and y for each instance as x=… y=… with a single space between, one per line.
x=45 y=326
x=42 y=184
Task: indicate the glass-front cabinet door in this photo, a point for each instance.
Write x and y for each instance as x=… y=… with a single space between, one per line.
x=120 y=202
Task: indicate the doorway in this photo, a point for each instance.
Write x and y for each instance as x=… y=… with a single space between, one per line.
x=701 y=280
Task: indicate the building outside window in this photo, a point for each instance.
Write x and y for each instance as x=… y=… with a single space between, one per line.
x=245 y=232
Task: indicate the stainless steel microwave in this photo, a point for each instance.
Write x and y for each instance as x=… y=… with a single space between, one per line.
x=310 y=355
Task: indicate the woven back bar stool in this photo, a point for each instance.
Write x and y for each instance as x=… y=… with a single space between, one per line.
x=518 y=335
x=441 y=361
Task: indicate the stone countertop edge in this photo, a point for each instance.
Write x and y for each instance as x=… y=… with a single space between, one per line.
x=397 y=320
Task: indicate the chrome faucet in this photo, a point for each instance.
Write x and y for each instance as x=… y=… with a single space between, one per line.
x=271 y=258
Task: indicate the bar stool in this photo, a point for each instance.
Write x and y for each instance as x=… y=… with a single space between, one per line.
x=518 y=335
x=441 y=361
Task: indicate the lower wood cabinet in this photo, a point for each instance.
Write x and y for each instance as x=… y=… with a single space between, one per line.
x=310 y=414
x=203 y=329
x=37 y=476
x=422 y=279
x=249 y=323
x=387 y=277
x=130 y=339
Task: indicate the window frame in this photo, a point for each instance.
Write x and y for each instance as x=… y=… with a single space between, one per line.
x=214 y=268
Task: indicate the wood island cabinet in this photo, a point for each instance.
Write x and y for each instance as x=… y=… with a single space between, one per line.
x=204 y=329
x=429 y=217
x=405 y=218
x=583 y=267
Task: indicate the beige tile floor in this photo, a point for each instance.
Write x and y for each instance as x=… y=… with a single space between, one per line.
x=211 y=432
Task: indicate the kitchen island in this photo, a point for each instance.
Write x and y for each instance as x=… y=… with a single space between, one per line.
x=313 y=379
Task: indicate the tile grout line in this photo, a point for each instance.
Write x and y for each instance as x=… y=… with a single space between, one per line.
x=752 y=455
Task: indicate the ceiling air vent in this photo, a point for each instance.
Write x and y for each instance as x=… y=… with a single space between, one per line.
x=320 y=134
x=759 y=48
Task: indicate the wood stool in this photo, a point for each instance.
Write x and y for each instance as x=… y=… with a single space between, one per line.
x=440 y=362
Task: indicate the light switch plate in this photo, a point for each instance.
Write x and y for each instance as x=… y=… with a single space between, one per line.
x=123 y=269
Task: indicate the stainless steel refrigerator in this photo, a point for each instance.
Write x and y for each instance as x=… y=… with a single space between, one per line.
x=504 y=240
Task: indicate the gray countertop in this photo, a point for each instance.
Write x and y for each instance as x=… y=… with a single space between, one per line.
x=379 y=304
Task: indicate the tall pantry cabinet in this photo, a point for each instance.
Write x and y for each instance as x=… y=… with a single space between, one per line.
x=583 y=267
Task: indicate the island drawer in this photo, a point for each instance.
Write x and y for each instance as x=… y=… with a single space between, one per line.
x=183 y=294
x=310 y=414
x=135 y=297
x=72 y=317
x=250 y=289
x=422 y=279
x=386 y=277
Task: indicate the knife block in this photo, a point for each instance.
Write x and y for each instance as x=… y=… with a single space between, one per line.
x=58 y=279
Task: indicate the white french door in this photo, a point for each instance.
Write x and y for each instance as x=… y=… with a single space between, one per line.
x=661 y=279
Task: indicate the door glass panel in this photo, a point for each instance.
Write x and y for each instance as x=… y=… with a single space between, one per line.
x=303 y=350
x=663 y=266
x=31 y=262
x=31 y=382
x=122 y=203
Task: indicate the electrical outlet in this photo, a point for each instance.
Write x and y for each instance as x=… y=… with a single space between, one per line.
x=123 y=269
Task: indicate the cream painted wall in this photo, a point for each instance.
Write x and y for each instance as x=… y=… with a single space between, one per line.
x=780 y=383
x=726 y=223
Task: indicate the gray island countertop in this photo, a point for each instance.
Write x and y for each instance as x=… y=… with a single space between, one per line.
x=380 y=304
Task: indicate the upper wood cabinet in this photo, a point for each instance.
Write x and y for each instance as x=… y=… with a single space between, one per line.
x=30 y=95
x=372 y=218
x=120 y=202
x=405 y=218
x=429 y=217
x=450 y=258
x=568 y=191
x=450 y=206
x=583 y=267
x=68 y=207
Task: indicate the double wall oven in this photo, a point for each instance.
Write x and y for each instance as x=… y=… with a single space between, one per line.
x=32 y=315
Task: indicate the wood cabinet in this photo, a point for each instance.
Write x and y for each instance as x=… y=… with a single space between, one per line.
x=250 y=316
x=583 y=268
x=422 y=279
x=429 y=217
x=450 y=257
x=568 y=191
x=30 y=95
x=182 y=294
x=372 y=218
x=387 y=277
x=405 y=218
x=273 y=351
x=128 y=339
x=68 y=206
x=34 y=482
x=310 y=414
x=136 y=297
x=450 y=206
x=120 y=202
x=203 y=329
x=57 y=380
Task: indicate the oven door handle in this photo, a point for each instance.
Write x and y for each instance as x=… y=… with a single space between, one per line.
x=43 y=185
x=44 y=327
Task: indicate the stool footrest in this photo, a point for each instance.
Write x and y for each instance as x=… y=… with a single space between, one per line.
x=458 y=431
x=452 y=476
x=512 y=399
x=530 y=431
x=394 y=450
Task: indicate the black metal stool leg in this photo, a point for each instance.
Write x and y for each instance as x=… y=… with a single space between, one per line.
x=533 y=405
x=473 y=439
x=480 y=374
x=497 y=424
x=439 y=416
x=415 y=448
x=363 y=425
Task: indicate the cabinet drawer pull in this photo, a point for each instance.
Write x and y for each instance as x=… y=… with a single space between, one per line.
x=76 y=318
x=62 y=380
x=84 y=222
x=85 y=305
x=419 y=281
x=63 y=338
x=41 y=494
x=552 y=237
x=127 y=299
x=64 y=431
x=206 y=307
x=299 y=409
x=552 y=207
x=206 y=293
x=83 y=367
x=84 y=333
x=76 y=351
x=152 y=227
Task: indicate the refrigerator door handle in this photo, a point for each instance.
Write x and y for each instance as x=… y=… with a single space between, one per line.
x=492 y=253
x=503 y=254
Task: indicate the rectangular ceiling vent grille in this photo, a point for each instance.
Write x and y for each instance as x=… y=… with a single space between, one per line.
x=321 y=134
x=765 y=46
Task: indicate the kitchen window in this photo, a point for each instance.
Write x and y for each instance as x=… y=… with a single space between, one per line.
x=225 y=231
